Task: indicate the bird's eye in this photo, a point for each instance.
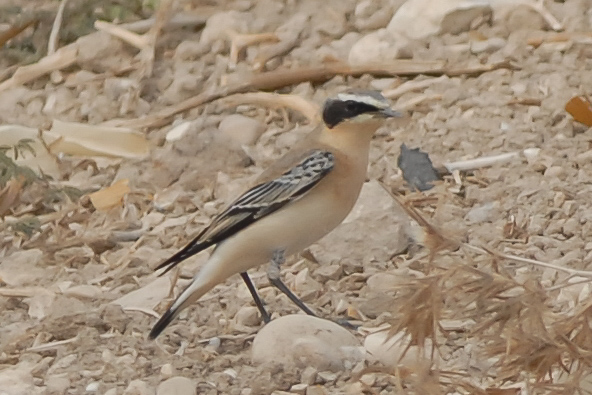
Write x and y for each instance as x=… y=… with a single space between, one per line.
x=351 y=106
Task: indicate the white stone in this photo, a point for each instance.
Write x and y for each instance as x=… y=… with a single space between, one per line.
x=178 y=132
x=379 y=46
x=167 y=370
x=423 y=18
x=177 y=386
x=241 y=129
x=302 y=341
x=138 y=387
x=248 y=316
x=393 y=351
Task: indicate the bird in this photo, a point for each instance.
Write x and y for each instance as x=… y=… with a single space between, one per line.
x=296 y=201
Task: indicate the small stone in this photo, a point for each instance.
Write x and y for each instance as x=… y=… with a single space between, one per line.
x=248 y=316
x=423 y=18
x=177 y=385
x=301 y=340
x=531 y=154
x=570 y=227
x=178 y=132
x=112 y=391
x=309 y=374
x=139 y=387
x=554 y=172
x=57 y=385
x=354 y=388
x=327 y=377
x=483 y=213
x=243 y=130
x=522 y=17
x=167 y=371
x=214 y=344
x=329 y=272
x=299 y=388
x=92 y=387
x=393 y=351
x=380 y=46
x=316 y=390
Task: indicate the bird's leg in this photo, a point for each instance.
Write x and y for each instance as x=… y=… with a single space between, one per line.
x=264 y=314
x=273 y=274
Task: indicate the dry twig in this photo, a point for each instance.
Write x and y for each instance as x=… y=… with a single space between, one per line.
x=274 y=100
x=52 y=45
x=13 y=31
x=277 y=79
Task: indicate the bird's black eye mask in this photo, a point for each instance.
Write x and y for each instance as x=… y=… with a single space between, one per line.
x=337 y=111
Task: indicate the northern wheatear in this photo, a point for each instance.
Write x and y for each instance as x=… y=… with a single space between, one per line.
x=299 y=199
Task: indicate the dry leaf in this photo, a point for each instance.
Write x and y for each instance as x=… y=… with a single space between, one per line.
x=92 y=140
x=580 y=109
x=111 y=196
x=9 y=196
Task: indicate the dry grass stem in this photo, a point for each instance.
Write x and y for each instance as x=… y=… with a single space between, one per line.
x=278 y=79
x=62 y=58
x=411 y=86
x=276 y=100
x=54 y=35
x=135 y=40
x=239 y=42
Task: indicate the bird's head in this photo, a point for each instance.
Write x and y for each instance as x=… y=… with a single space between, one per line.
x=357 y=107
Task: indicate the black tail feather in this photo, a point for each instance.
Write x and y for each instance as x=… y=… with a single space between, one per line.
x=162 y=323
x=190 y=249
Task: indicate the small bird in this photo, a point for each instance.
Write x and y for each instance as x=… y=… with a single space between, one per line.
x=299 y=199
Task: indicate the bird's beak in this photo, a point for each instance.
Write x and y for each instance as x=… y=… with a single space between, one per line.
x=390 y=113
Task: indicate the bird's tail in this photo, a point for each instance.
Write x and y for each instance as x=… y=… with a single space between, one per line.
x=208 y=277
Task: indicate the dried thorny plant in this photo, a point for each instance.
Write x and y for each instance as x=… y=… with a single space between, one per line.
x=9 y=169
x=21 y=186
x=520 y=336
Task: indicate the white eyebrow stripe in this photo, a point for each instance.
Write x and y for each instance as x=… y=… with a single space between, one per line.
x=363 y=99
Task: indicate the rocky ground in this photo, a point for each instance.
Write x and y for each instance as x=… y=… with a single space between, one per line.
x=77 y=290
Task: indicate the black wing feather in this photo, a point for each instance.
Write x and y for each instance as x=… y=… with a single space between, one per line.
x=256 y=203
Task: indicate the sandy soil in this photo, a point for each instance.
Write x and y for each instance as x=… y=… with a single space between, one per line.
x=65 y=329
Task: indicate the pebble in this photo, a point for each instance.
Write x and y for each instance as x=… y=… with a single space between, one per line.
x=329 y=272
x=393 y=351
x=303 y=341
x=380 y=46
x=177 y=385
x=316 y=390
x=555 y=172
x=167 y=371
x=241 y=129
x=299 y=388
x=57 y=385
x=483 y=213
x=92 y=387
x=139 y=387
x=423 y=18
x=248 y=316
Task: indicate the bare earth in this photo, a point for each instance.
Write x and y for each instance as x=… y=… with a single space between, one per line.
x=500 y=326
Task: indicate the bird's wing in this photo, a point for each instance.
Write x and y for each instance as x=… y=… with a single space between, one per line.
x=257 y=202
